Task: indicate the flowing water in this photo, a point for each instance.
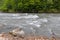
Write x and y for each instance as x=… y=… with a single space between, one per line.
x=35 y=24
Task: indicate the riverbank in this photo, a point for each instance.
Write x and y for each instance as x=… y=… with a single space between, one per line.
x=54 y=12
x=6 y=36
x=31 y=6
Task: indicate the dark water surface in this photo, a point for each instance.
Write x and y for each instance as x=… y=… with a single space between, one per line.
x=37 y=24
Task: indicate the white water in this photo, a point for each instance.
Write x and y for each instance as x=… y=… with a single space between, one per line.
x=38 y=24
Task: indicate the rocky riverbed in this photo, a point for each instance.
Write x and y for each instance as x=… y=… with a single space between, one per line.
x=10 y=37
x=5 y=36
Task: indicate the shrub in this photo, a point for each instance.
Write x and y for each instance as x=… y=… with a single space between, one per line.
x=30 y=5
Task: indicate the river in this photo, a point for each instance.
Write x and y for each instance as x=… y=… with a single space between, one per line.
x=35 y=24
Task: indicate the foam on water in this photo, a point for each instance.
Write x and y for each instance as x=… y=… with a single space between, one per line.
x=30 y=23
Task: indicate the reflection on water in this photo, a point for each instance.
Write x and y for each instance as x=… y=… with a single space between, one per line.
x=37 y=24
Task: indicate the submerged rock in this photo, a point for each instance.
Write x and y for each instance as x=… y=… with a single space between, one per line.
x=2 y=25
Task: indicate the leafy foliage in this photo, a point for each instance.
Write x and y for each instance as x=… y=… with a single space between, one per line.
x=30 y=5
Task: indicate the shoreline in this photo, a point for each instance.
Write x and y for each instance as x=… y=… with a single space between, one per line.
x=11 y=37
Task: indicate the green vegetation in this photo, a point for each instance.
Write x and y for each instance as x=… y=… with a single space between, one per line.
x=30 y=5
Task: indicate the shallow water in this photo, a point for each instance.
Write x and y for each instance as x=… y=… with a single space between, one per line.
x=35 y=24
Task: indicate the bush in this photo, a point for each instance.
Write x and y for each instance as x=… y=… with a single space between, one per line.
x=30 y=5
